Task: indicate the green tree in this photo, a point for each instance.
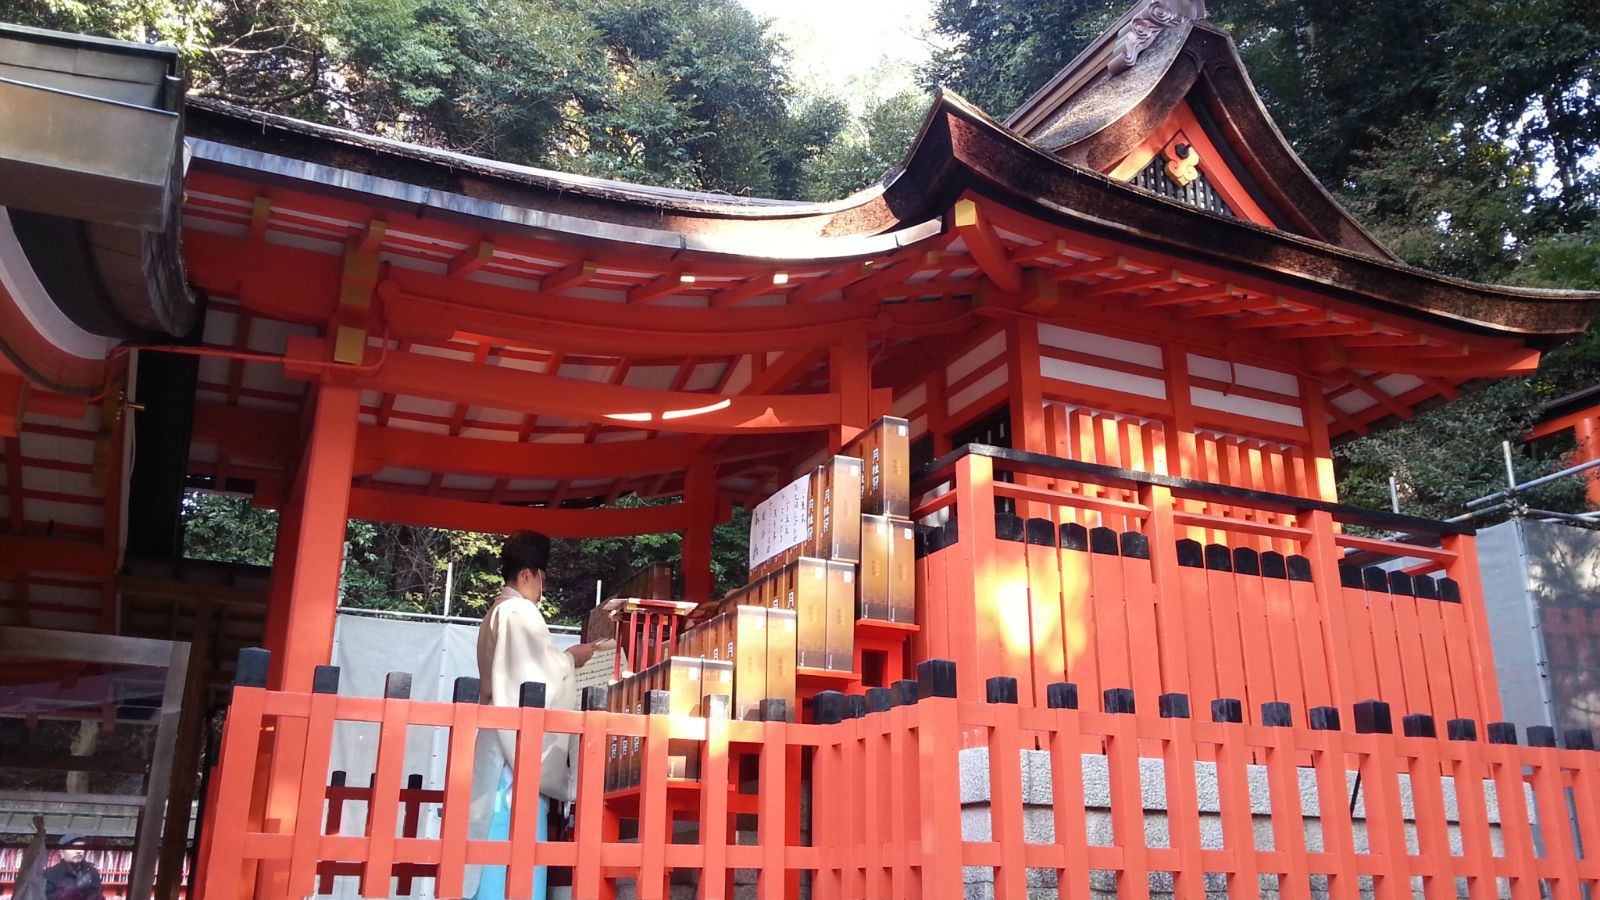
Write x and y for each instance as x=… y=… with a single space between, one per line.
x=869 y=147
x=227 y=528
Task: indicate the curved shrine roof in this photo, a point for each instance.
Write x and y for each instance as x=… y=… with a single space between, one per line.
x=959 y=151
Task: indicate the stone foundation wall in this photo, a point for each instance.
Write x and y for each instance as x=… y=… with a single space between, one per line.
x=1038 y=821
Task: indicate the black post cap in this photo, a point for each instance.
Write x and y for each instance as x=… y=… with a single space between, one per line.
x=855 y=706
x=252 y=668
x=1400 y=584
x=1191 y=554
x=1374 y=717
x=414 y=781
x=1007 y=527
x=1502 y=733
x=879 y=699
x=1173 y=706
x=1074 y=536
x=932 y=540
x=1219 y=558
x=905 y=692
x=1541 y=736
x=1324 y=718
x=1461 y=730
x=1425 y=587
x=325 y=680
x=1246 y=561
x=828 y=708
x=774 y=709
x=337 y=778
x=1578 y=739
x=1040 y=532
x=919 y=543
x=1001 y=689
x=1350 y=577
x=1419 y=725
x=936 y=678
x=718 y=706
x=593 y=698
x=1061 y=695
x=1273 y=565
x=397 y=686
x=531 y=696
x=1375 y=580
x=951 y=529
x=466 y=690
x=657 y=703
x=1135 y=545
x=1103 y=540
x=1119 y=701
x=1277 y=714
x=1449 y=590
x=1227 y=709
x=1299 y=568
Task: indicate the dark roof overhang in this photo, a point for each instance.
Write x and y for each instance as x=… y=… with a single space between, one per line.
x=958 y=150
x=90 y=176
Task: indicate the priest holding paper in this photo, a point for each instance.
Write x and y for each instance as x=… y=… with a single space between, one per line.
x=515 y=646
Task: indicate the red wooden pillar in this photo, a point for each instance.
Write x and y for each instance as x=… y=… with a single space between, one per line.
x=1587 y=431
x=700 y=493
x=311 y=536
x=850 y=376
x=305 y=598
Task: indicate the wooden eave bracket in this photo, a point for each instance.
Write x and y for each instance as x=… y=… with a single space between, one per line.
x=987 y=250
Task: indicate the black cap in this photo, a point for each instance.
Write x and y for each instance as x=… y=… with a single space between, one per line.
x=72 y=838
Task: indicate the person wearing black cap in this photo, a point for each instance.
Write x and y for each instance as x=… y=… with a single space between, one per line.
x=515 y=647
x=74 y=877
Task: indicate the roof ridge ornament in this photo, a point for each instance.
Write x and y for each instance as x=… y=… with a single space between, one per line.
x=1150 y=19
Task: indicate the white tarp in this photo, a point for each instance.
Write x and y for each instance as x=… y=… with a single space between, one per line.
x=366 y=649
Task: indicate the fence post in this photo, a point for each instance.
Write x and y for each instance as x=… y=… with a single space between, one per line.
x=772 y=818
x=1468 y=578
x=222 y=874
x=1005 y=789
x=313 y=781
x=937 y=719
x=1162 y=534
x=972 y=564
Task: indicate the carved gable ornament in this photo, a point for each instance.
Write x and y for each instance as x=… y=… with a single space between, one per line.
x=1151 y=19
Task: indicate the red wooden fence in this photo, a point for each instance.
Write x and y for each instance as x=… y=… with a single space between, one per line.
x=1094 y=578
x=885 y=812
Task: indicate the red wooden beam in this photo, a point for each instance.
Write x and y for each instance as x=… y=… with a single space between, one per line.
x=518 y=459
x=463 y=515
x=21 y=553
x=985 y=246
x=471 y=260
x=500 y=387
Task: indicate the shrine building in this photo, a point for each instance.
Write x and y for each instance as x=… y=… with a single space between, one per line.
x=1119 y=334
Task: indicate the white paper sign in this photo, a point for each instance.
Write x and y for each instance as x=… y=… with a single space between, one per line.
x=779 y=522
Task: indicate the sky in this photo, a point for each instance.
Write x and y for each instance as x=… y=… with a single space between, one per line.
x=855 y=49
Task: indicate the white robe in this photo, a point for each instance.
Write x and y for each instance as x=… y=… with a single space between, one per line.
x=515 y=646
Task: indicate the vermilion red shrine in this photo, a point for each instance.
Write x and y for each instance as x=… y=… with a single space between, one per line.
x=1125 y=329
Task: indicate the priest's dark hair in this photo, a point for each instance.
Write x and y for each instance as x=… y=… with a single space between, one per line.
x=524 y=550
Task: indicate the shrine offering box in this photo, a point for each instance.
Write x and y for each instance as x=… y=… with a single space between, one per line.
x=681 y=677
x=836 y=510
x=809 y=590
x=888 y=585
x=840 y=629
x=746 y=643
x=716 y=677
x=781 y=646
x=885 y=453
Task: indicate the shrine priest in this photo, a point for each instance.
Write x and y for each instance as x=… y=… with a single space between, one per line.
x=515 y=646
